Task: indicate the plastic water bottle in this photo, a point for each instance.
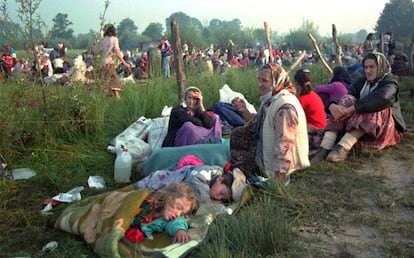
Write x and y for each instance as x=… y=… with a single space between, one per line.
x=123 y=166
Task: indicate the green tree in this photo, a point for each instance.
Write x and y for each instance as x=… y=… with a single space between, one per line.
x=60 y=29
x=223 y=31
x=153 y=31
x=10 y=33
x=299 y=39
x=31 y=22
x=183 y=19
x=361 y=35
x=127 y=34
x=397 y=16
x=126 y=25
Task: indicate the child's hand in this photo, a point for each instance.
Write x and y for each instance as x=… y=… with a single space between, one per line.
x=181 y=237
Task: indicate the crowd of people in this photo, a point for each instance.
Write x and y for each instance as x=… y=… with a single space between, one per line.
x=298 y=124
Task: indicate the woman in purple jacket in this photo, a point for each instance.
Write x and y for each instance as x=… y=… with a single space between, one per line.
x=336 y=88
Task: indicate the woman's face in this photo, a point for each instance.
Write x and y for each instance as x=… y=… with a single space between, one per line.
x=264 y=82
x=370 y=69
x=178 y=208
x=192 y=99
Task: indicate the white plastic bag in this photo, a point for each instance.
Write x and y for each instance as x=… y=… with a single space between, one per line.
x=227 y=95
x=133 y=139
x=159 y=129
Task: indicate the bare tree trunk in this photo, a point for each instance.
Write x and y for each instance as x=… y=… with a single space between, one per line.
x=338 y=48
x=178 y=59
x=269 y=43
x=290 y=69
x=319 y=53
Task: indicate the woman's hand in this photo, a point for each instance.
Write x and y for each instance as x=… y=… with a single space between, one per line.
x=200 y=102
x=336 y=112
x=128 y=67
x=340 y=113
x=239 y=104
x=181 y=237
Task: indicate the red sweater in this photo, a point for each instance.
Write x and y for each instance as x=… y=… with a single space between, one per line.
x=314 y=110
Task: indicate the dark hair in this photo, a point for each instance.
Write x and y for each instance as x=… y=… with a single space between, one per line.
x=370 y=36
x=340 y=74
x=227 y=181
x=304 y=79
x=110 y=30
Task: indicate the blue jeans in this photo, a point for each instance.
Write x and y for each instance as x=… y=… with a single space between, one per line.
x=165 y=66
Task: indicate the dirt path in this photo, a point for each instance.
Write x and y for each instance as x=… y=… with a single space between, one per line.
x=379 y=221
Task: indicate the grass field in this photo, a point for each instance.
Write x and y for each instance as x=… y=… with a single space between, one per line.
x=362 y=207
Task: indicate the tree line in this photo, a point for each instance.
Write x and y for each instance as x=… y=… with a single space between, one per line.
x=396 y=17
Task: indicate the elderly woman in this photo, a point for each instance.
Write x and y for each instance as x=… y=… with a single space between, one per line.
x=369 y=114
x=190 y=123
x=273 y=143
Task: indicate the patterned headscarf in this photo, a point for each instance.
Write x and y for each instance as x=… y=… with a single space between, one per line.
x=384 y=66
x=279 y=76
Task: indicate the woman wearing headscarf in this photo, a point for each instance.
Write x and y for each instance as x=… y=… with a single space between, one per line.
x=190 y=123
x=369 y=114
x=273 y=143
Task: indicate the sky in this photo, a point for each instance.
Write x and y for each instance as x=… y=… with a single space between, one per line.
x=349 y=16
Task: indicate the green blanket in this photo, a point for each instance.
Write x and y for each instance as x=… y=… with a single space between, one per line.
x=168 y=157
x=102 y=220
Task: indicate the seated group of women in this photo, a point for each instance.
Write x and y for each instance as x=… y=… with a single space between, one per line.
x=329 y=120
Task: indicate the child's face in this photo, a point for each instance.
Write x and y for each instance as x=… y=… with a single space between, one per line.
x=178 y=208
x=219 y=191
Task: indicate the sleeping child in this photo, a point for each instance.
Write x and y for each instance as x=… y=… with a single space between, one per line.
x=209 y=182
x=164 y=210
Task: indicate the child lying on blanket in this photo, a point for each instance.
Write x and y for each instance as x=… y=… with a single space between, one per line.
x=164 y=210
x=208 y=182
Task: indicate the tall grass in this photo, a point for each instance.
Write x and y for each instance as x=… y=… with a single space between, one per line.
x=62 y=132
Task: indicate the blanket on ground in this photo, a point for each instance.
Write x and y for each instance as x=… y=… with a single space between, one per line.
x=168 y=157
x=102 y=220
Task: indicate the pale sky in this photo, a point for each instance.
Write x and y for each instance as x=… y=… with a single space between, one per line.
x=282 y=16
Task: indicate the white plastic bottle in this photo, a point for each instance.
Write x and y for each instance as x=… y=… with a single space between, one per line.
x=123 y=166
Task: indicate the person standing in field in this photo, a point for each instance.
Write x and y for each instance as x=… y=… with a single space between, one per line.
x=109 y=46
x=166 y=49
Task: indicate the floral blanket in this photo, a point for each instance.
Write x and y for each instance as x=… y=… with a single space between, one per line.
x=102 y=220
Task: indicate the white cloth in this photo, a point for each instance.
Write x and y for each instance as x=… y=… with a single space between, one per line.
x=227 y=95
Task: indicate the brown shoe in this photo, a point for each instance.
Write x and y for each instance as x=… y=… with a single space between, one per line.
x=337 y=154
x=320 y=155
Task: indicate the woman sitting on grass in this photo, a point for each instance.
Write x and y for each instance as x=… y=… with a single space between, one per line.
x=312 y=105
x=274 y=142
x=190 y=123
x=369 y=114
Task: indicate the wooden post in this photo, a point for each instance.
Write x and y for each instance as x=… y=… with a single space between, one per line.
x=178 y=59
x=411 y=57
x=381 y=42
x=297 y=61
x=338 y=51
x=269 y=43
x=315 y=45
